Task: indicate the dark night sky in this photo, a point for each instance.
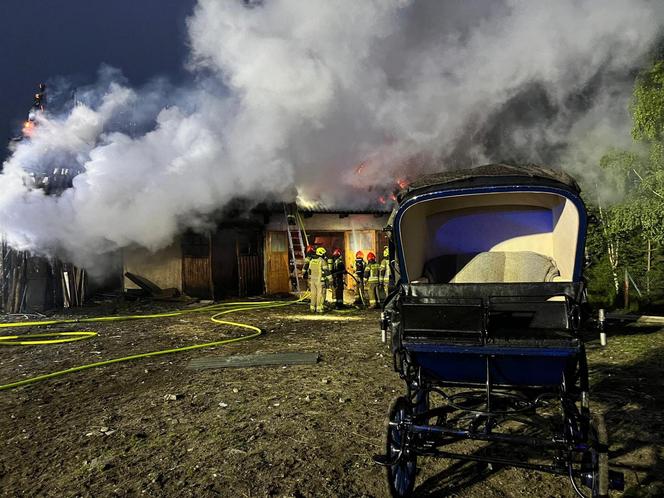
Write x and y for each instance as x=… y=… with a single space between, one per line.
x=45 y=39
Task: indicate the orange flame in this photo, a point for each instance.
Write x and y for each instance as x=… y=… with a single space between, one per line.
x=28 y=128
x=402 y=182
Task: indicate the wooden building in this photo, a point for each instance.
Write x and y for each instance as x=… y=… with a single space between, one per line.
x=213 y=265
x=251 y=257
x=349 y=230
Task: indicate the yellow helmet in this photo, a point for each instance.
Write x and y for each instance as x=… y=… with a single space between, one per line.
x=321 y=251
x=386 y=252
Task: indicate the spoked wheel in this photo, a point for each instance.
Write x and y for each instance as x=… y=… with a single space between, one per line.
x=421 y=402
x=599 y=457
x=595 y=461
x=401 y=475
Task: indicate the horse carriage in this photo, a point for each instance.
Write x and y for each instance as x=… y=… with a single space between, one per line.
x=487 y=324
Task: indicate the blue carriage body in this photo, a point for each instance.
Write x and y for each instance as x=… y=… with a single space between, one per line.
x=448 y=327
x=508 y=366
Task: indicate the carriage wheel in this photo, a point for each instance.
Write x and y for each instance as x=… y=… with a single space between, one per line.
x=421 y=402
x=599 y=457
x=401 y=475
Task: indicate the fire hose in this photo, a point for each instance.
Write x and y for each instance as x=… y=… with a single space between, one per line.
x=357 y=282
x=359 y=285
x=219 y=310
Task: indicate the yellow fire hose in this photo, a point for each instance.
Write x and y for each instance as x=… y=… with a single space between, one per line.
x=69 y=336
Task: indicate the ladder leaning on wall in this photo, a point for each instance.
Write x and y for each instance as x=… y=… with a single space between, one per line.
x=297 y=242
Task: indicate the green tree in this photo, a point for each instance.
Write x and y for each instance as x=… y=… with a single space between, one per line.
x=648 y=105
x=637 y=221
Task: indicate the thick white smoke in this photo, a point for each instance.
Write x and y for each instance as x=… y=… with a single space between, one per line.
x=291 y=96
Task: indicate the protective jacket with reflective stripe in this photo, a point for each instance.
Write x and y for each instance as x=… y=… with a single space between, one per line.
x=318 y=269
x=385 y=270
x=372 y=273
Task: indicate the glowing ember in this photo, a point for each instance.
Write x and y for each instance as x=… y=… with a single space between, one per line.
x=28 y=128
x=360 y=167
x=403 y=183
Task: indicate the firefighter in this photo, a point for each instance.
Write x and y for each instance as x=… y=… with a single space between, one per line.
x=337 y=271
x=359 y=274
x=385 y=271
x=309 y=253
x=318 y=271
x=372 y=277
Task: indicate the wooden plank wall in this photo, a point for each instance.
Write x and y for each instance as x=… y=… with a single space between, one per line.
x=197 y=276
x=250 y=273
x=196 y=266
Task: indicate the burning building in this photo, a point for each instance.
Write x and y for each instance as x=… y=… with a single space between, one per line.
x=247 y=252
x=28 y=282
x=255 y=254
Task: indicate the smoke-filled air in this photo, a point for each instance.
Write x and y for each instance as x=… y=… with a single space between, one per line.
x=330 y=101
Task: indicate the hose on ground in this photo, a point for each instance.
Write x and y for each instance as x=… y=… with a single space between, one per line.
x=219 y=310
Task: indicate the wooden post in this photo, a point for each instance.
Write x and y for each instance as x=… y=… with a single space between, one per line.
x=14 y=290
x=238 y=264
x=626 y=289
x=210 y=238
x=65 y=288
x=82 y=289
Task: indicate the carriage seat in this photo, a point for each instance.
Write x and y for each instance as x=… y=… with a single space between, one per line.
x=492 y=267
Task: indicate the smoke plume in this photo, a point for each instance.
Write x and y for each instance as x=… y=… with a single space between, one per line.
x=327 y=99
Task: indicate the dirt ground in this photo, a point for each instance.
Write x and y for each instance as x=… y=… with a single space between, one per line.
x=295 y=431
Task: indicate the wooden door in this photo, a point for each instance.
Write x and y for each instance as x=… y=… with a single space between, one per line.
x=249 y=250
x=237 y=262
x=276 y=248
x=196 y=267
x=224 y=263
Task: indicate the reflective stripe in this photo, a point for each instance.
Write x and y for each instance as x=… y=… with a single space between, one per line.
x=317 y=268
x=372 y=272
x=385 y=269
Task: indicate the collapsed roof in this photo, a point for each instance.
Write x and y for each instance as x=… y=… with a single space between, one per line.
x=491 y=174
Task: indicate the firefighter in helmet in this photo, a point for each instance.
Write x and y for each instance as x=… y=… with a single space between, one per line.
x=359 y=275
x=337 y=271
x=318 y=272
x=309 y=253
x=372 y=277
x=385 y=271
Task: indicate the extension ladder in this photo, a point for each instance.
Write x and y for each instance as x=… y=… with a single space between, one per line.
x=297 y=242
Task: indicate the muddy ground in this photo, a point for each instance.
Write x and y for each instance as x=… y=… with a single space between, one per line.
x=307 y=430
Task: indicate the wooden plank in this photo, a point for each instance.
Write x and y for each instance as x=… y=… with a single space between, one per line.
x=254 y=360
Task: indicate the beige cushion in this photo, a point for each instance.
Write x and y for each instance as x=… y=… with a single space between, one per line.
x=508 y=267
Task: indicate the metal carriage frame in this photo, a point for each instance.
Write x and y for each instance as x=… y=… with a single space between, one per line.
x=462 y=343
x=576 y=446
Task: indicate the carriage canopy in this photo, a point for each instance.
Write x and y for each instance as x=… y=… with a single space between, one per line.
x=492 y=224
